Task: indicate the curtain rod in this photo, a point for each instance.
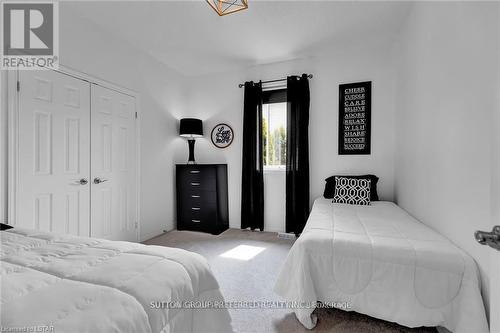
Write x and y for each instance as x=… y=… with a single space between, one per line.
x=241 y=85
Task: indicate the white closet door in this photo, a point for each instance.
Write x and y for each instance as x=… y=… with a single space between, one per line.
x=495 y=220
x=113 y=167
x=53 y=153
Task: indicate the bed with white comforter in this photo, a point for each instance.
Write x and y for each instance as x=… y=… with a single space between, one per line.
x=380 y=261
x=73 y=284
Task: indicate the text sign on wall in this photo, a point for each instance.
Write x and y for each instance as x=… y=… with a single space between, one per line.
x=355 y=118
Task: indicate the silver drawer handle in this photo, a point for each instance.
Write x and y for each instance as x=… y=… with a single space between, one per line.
x=195 y=196
x=194 y=171
x=196 y=221
x=195 y=184
x=195 y=208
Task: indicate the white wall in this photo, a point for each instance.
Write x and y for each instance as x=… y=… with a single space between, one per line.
x=86 y=48
x=445 y=103
x=3 y=147
x=217 y=98
x=168 y=96
x=495 y=201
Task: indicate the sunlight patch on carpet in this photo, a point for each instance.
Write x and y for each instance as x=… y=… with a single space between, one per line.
x=243 y=252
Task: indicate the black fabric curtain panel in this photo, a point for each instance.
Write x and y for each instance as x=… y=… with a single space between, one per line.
x=297 y=162
x=252 y=188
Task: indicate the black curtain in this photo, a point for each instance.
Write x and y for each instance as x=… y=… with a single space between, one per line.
x=297 y=155
x=252 y=187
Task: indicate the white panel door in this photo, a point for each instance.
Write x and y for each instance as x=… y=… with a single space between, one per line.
x=113 y=165
x=495 y=192
x=495 y=186
x=54 y=153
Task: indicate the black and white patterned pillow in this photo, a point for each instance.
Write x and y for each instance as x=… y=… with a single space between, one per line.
x=352 y=191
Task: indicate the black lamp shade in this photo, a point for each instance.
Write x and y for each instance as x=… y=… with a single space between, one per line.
x=191 y=127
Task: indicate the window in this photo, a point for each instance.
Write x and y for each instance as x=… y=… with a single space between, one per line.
x=274 y=116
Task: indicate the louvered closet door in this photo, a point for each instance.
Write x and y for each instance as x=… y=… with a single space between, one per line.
x=113 y=169
x=53 y=153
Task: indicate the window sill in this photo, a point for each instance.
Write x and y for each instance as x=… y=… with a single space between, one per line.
x=274 y=169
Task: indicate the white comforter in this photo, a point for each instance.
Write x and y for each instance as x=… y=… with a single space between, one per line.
x=70 y=284
x=380 y=261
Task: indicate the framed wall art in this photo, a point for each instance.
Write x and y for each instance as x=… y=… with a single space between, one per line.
x=355 y=118
x=222 y=135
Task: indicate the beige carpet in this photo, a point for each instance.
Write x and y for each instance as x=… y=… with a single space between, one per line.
x=253 y=280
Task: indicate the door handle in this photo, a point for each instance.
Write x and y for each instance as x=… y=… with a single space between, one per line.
x=82 y=181
x=492 y=239
x=98 y=180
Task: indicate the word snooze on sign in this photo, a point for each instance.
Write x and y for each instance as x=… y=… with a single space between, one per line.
x=30 y=35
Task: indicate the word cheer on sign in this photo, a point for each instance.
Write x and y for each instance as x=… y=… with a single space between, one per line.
x=355 y=118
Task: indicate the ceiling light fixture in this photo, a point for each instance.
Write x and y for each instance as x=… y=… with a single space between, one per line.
x=224 y=7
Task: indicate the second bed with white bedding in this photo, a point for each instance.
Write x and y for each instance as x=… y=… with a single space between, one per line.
x=380 y=261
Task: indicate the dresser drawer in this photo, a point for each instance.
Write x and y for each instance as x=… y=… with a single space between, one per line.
x=199 y=197
x=199 y=219
x=200 y=178
x=203 y=216
x=196 y=202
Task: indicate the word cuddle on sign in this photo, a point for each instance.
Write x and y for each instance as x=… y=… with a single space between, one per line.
x=355 y=118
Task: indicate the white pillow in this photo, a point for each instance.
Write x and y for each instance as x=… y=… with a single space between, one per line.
x=352 y=191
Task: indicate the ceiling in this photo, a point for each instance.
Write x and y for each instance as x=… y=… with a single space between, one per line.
x=191 y=38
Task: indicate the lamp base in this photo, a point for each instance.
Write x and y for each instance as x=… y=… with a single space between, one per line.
x=191 y=159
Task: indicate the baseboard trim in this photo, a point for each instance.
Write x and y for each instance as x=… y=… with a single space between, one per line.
x=285 y=235
x=441 y=329
x=145 y=237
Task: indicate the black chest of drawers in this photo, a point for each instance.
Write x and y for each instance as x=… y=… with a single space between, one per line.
x=202 y=198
